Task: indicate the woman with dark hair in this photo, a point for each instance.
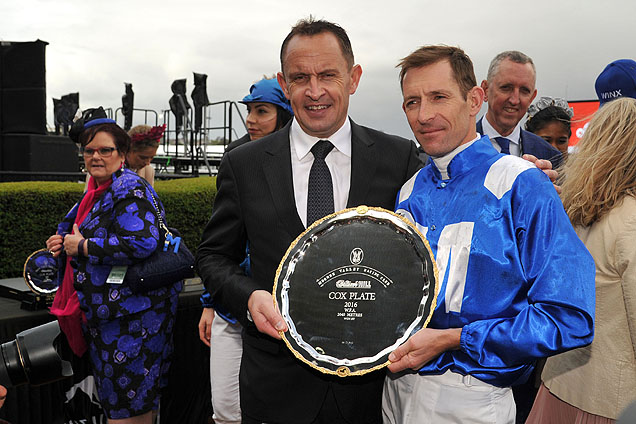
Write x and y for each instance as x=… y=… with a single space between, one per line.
x=268 y=111
x=550 y=119
x=128 y=336
x=593 y=384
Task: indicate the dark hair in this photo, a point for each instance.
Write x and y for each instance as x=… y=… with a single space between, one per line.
x=310 y=27
x=122 y=139
x=459 y=61
x=547 y=115
x=282 y=117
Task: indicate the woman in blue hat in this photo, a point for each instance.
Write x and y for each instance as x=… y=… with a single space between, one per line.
x=267 y=111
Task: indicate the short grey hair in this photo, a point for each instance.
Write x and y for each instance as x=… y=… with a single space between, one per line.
x=512 y=55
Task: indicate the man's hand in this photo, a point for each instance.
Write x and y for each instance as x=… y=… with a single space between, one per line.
x=545 y=166
x=265 y=316
x=422 y=347
x=205 y=325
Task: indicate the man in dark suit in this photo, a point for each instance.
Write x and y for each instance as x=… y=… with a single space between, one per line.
x=265 y=198
x=510 y=89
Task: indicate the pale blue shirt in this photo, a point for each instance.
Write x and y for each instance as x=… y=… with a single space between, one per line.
x=514 y=137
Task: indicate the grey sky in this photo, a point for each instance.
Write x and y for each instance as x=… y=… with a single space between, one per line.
x=97 y=46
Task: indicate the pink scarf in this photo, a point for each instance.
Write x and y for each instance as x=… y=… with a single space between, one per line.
x=66 y=304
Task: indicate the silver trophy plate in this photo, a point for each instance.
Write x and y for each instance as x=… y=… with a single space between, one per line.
x=353 y=287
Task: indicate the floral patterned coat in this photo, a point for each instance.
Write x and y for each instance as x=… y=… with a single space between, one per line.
x=120 y=229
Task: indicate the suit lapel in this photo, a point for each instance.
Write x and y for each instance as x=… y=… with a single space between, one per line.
x=522 y=145
x=278 y=174
x=363 y=165
x=480 y=127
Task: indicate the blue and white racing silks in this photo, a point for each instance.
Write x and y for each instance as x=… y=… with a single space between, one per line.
x=512 y=271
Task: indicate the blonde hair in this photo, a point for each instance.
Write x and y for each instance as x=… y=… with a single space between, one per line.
x=140 y=143
x=603 y=170
x=139 y=129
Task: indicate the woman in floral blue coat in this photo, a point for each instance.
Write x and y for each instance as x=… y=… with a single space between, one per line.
x=128 y=336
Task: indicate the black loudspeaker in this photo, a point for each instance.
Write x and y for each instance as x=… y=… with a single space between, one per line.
x=23 y=110
x=22 y=64
x=38 y=153
x=23 y=87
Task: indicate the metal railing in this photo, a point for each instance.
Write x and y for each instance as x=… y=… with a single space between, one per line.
x=187 y=149
x=146 y=113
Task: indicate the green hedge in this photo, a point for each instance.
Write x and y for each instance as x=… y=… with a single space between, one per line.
x=30 y=212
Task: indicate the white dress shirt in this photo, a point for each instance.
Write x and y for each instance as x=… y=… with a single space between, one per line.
x=514 y=137
x=338 y=161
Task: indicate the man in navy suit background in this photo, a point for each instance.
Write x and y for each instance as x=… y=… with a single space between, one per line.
x=510 y=89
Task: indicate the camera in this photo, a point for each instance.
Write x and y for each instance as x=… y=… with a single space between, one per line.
x=35 y=357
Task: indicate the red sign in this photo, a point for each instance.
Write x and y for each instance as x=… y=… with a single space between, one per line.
x=583 y=112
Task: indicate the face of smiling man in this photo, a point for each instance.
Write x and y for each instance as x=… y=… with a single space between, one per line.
x=318 y=81
x=509 y=95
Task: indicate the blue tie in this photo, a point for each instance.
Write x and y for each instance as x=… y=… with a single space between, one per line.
x=504 y=143
x=320 y=190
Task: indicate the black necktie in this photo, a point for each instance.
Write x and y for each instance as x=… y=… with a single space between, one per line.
x=504 y=143
x=320 y=192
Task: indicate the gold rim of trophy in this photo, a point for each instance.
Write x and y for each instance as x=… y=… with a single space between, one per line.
x=344 y=371
x=27 y=281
